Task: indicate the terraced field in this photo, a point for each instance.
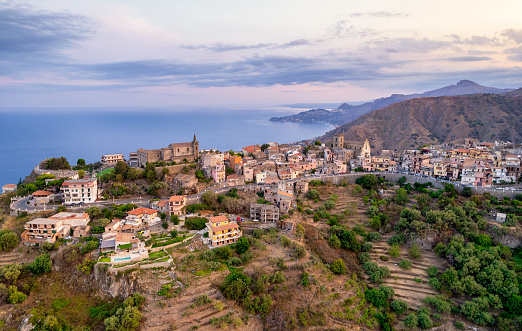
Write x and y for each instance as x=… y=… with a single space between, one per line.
x=403 y=280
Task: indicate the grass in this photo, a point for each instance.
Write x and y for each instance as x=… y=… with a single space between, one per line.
x=106 y=171
x=105 y=259
x=171 y=241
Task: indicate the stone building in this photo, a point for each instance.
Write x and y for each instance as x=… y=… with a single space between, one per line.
x=175 y=152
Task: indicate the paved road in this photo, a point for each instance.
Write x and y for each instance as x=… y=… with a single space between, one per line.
x=219 y=188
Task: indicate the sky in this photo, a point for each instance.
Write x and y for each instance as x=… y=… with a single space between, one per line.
x=103 y=53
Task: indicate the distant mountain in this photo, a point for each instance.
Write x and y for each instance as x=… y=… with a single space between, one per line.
x=346 y=113
x=433 y=120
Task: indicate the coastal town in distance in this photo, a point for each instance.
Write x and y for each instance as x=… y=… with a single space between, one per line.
x=174 y=213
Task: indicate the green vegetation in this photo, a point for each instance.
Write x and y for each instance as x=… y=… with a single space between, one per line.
x=195 y=223
x=60 y=163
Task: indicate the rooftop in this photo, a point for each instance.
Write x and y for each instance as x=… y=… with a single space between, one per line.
x=218 y=219
x=141 y=210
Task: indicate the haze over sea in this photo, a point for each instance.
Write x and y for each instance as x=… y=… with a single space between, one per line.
x=28 y=136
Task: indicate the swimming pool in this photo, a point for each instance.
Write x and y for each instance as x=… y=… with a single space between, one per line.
x=122 y=259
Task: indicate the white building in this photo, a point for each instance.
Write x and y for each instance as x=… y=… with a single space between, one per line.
x=79 y=190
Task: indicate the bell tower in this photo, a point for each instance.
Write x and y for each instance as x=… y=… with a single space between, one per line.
x=195 y=146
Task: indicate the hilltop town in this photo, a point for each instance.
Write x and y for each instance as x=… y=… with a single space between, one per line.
x=299 y=235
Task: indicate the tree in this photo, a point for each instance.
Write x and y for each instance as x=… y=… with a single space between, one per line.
x=61 y=208
x=8 y=241
x=80 y=162
x=41 y=264
x=299 y=251
x=264 y=147
x=242 y=245
x=174 y=219
x=94 y=212
x=450 y=190
x=11 y=272
x=401 y=197
x=121 y=168
x=467 y=192
x=401 y=181
x=338 y=267
x=81 y=173
x=317 y=143
x=174 y=233
x=313 y=194
x=368 y=181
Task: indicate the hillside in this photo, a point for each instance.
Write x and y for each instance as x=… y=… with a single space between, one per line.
x=346 y=113
x=411 y=123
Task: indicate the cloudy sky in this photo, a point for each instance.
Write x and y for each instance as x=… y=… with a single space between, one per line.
x=112 y=53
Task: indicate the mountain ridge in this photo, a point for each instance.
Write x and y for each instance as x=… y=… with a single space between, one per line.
x=434 y=120
x=346 y=113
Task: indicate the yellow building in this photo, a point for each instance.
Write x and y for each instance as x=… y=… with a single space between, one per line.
x=221 y=231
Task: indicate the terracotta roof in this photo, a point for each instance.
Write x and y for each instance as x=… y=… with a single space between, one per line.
x=232 y=177
x=217 y=219
x=42 y=193
x=176 y=198
x=290 y=195
x=126 y=237
x=141 y=210
x=162 y=203
x=229 y=226
x=9 y=185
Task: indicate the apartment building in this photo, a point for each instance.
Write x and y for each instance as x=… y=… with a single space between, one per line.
x=79 y=190
x=109 y=160
x=41 y=230
x=222 y=232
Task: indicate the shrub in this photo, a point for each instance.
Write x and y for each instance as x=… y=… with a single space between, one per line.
x=299 y=251
x=435 y=283
x=373 y=236
x=425 y=321
x=399 y=306
x=285 y=242
x=202 y=299
x=459 y=325
x=397 y=239
x=334 y=241
x=366 y=247
x=218 y=305
x=338 y=267
x=364 y=257
x=376 y=273
x=411 y=321
x=15 y=296
x=195 y=223
x=405 y=264
x=415 y=251
x=313 y=194
x=376 y=297
x=394 y=251
x=432 y=271
x=440 y=305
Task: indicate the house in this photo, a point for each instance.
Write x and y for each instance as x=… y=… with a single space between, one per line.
x=501 y=218
x=8 y=188
x=234 y=180
x=109 y=160
x=133 y=159
x=301 y=187
x=42 y=230
x=81 y=231
x=221 y=231
x=41 y=196
x=250 y=149
x=137 y=217
x=263 y=212
x=162 y=206
x=116 y=241
x=218 y=173
x=260 y=177
x=248 y=173
x=211 y=160
x=79 y=190
x=176 y=204
x=285 y=174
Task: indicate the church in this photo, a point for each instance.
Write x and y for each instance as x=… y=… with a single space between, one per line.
x=176 y=152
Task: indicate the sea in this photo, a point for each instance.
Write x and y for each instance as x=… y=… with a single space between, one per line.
x=28 y=136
